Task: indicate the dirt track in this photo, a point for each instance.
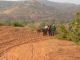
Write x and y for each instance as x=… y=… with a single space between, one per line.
x=23 y=44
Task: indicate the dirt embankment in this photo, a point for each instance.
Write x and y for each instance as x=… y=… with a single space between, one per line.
x=23 y=44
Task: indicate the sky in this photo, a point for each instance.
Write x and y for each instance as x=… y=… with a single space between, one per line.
x=67 y=1
x=63 y=1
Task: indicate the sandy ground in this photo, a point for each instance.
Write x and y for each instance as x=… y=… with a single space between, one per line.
x=23 y=44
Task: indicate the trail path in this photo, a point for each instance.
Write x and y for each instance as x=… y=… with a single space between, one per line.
x=24 y=44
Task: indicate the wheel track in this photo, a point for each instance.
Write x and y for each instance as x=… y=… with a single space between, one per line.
x=18 y=38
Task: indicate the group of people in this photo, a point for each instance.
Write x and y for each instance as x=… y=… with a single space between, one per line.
x=49 y=30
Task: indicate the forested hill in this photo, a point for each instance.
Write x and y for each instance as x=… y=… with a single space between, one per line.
x=37 y=10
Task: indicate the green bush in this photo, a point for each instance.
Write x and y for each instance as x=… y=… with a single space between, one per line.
x=62 y=32
x=17 y=24
x=71 y=33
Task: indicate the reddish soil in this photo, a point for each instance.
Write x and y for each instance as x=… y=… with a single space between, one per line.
x=25 y=44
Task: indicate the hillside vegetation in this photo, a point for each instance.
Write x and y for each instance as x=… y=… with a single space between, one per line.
x=40 y=10
x=71 y=31
x=36 y=14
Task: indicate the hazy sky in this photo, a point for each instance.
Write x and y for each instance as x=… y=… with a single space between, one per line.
x=66 y=1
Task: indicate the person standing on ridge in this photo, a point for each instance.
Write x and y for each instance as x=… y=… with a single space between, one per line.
x=49 y=31
x=53 y=29
x=45 y=30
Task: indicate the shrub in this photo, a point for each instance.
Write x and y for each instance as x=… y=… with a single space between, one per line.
x=62 y=32
x=71 y=33
x=18 y=24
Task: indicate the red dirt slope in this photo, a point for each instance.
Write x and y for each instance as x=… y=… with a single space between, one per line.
x=24 y=44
